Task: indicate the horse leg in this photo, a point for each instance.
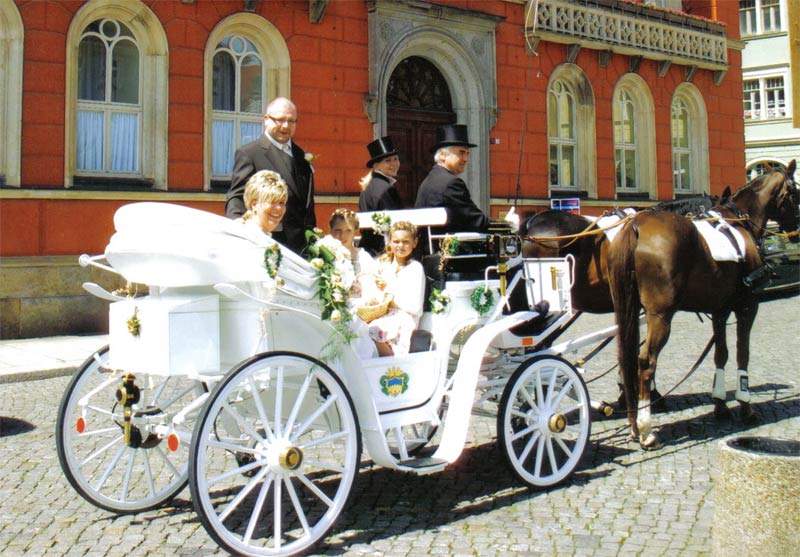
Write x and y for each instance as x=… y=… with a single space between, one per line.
x=745 y=316
x=718 y=392
x=658 y=329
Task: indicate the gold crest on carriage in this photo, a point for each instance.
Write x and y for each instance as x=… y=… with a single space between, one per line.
x=394 y=382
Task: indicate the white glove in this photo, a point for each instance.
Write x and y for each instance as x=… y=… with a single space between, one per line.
x=512 y=218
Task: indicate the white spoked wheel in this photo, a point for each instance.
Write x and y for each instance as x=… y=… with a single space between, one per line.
x=275 y=455
x=122 y=476
x=544 y=421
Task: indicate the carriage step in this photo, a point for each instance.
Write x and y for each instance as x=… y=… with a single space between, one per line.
x=424 y=464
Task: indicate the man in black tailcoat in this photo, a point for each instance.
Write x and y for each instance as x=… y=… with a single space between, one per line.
x=276 y=151
x=443 y=187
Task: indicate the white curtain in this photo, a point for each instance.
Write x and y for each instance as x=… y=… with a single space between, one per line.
x=222 y=147
x=90 y=140
x=124 y=142
x=250 y=131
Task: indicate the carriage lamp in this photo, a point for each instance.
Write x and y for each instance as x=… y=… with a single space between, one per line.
x=128 y=394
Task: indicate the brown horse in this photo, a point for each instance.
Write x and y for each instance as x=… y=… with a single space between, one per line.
x=660 y=262
x=559 y=233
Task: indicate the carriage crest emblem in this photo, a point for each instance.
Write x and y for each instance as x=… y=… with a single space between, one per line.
x=394 y=382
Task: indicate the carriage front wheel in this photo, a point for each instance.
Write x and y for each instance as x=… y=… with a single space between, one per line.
x=275 y=455
x=118 y=466
x=544 y=420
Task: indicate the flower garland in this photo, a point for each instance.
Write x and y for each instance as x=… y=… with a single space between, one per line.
x=331 y=260
x=382 y=222
x=272 y=259
x=439 y=301
x=447 y=248
x=482 y=300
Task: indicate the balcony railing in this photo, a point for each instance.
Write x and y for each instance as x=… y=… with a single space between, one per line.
x=633 y=30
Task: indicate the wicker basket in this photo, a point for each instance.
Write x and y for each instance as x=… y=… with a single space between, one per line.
x=369 y=312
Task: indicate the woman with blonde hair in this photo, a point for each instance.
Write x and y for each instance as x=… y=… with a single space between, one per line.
x=378 y=191
x=265 y=196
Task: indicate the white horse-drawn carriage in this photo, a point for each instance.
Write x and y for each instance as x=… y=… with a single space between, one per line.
x=229 y=380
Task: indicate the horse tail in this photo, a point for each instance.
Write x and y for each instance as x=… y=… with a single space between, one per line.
x=625 y=295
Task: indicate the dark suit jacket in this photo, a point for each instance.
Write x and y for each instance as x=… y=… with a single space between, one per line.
x=442 y=188
x=261 y=154
x=379 y=195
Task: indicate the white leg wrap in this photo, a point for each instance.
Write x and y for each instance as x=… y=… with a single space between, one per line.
x=719 y=392
x=742 y=388
x=643 y=419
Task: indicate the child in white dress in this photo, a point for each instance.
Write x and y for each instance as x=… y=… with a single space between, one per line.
x=403 y=278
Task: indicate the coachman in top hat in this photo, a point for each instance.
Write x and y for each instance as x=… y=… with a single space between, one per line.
x=443 y=187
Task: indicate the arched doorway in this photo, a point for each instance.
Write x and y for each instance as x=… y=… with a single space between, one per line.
x=417 y=102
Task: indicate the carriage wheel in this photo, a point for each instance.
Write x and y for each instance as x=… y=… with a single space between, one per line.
x=275 y=455
x=544 y=420
x=122 y=477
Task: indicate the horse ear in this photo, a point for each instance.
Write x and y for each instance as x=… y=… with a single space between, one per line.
x=725 y=194
x=768 y=168
x=791 y=168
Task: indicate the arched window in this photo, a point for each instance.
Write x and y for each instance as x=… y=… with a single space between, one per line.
x=633 y=115
x=237 y=99
x=11 y=46
x=572 y=151
x=117 y=97
x=681 y=151
x=626 y=155
x=689 y=126
x=561 y=131
x=109 y=107
x=247 y=65
x=757 y=168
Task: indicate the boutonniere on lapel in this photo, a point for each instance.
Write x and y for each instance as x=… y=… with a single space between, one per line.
x=311 y=158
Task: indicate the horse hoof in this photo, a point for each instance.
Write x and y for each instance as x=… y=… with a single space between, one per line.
x=749 y=416
x=650 y=442
x=721 y=410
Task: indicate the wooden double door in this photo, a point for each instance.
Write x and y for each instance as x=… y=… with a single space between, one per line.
x=418 y=101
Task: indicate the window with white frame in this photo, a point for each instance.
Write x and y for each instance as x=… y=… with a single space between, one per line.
x=689 y=130
x=681 y=147
x=626 y=155
x=772 y=91
x=246 y=64
x=237 y=99
x=752 y=99
x=108 y=100
x=561 y=126
x=759 y=16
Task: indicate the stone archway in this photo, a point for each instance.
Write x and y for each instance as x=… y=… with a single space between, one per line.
x=417 y=102
x=460 y=44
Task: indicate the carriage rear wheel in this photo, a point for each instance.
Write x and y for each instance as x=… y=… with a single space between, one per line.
x=544 y=420
x=275 y=455
x=114 y=472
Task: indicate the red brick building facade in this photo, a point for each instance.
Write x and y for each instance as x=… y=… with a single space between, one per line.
x=613 y=102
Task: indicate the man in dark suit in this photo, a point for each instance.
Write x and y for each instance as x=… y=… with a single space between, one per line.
x=276 y=151
x=443 y=188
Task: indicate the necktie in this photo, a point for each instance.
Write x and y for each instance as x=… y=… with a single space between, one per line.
x=287 y=149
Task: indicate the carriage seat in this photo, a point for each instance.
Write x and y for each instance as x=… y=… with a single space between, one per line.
x=535 y=326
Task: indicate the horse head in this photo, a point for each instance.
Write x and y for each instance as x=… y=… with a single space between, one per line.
x=771 y=196
x=538 y=228
x=786 y=209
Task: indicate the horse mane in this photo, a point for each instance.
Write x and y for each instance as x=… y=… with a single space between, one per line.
x=694 y=205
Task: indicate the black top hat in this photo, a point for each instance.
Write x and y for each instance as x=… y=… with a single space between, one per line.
x=380 y=149
x=452 y=134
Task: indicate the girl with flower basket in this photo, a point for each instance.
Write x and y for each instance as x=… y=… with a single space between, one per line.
x=403 y=280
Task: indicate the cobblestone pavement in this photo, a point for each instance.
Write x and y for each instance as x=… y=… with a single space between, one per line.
x=621 y=501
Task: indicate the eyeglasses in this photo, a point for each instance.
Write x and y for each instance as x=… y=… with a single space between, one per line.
x=282 y=121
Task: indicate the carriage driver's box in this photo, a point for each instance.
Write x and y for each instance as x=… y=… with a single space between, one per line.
x=165 y=335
